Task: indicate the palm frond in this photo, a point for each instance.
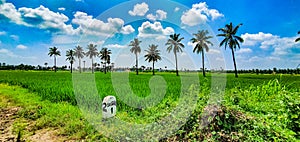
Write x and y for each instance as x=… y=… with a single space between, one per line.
x=236 y=28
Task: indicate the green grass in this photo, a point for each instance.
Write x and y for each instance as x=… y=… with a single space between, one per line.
x=37 y=114
x=254 y=107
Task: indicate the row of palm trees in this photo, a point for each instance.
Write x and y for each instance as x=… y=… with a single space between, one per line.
x=78 y=52
x=200 y=39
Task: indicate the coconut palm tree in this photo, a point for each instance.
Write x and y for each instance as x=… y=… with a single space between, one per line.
x=79 y=53
x=70 y=58
x=152 y=55
x=174 y=44
x=231 y=40
x=136 y=49
x=104 y=55
x=91 y=53
x=298 y=39
x=201 y=40
x=53 y=51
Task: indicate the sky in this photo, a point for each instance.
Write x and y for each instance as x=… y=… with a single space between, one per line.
x=29 y=28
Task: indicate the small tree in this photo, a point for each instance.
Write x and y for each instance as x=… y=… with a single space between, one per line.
x=152 y=55
x=231 y=40
x=70 y=58
x=105 y=56
x=136 y=49
x=79 y=53
x=53 y=51
x=174 y=44
x=91 y=53
x=202 y=41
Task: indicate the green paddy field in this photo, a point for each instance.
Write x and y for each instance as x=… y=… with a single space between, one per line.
x=253 y=107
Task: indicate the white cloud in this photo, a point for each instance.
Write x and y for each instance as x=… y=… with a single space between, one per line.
x=160 y=15
x=20 y=46
x=176 y=9
x=115 y=46
x=213 y=51
x=280 y=45
x=9 y=10
x=14 y=37
x=191 y=44
x=127 y=29
x=253 y=39
x=199 y=14
x=244 y=50
x=7 y=52
x=139 y=9
x=255 y=59
x=91 y=26
x=40 y=17
x=44 y=18
x=62 y=9
x=155 y=29
x=2 y=33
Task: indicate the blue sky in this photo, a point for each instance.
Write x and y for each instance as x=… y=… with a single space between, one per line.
x=28 y=28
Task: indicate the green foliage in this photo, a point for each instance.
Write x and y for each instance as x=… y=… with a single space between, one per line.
x=254 y=107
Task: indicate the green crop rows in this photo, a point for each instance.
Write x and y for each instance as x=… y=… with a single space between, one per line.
x=254 y=107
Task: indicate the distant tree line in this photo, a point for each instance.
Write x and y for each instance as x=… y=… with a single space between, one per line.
x=4 y=66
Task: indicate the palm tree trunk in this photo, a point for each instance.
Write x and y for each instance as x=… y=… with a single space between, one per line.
x=71 y=67
x=136 y=64
x=104 y=67
x=79 y=65
x=233 y=57
x=203 y=69
x=92 y=65
x=153 y=68
x=176 y=64
x=54 y=63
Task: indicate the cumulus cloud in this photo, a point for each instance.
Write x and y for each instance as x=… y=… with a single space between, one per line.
x=139 y=9
x=253 y=39
x=160 y=15
x=155 y=29
x=9 y=11
x=128 y=29
x=280 y=45
x=44 y=18
x=20 y=46
x=115 y=46
x=91 y=26
x=244 y=50
x=40 y=17
x=199 y=13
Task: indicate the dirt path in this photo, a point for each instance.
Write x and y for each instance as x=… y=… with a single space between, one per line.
x=7 y=117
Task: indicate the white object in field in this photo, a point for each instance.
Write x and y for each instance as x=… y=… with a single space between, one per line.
x=109 y=107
